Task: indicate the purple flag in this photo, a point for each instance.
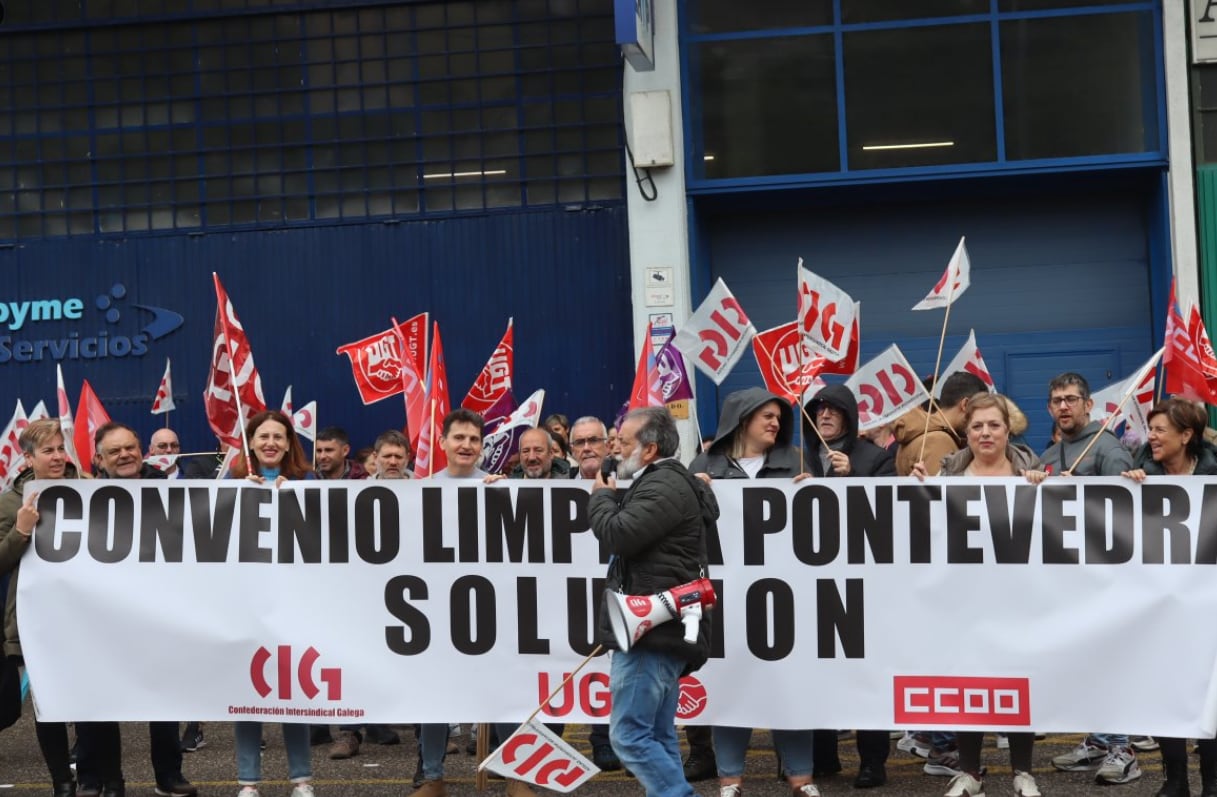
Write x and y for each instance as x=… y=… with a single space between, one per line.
x=669 y=369
x=499 y=445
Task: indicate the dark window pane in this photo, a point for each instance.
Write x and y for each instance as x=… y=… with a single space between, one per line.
x=719 y=16
x=1040 y=5
x=853 y=11
x=768 y=107
x=919 y=96
x=1079 y=86
x=1204 y=91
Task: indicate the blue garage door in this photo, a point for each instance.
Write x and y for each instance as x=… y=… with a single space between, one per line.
x=1058 y=283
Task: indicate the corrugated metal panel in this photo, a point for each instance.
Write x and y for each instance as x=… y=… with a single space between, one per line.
x=563 y=275
x=1058 y=282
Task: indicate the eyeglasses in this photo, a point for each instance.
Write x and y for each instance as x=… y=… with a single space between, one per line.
x=1061 y=401
x=587 y=441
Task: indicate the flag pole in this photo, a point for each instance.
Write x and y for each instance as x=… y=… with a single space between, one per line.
x=431 y=440
x=1132 y=388
x=942 y=339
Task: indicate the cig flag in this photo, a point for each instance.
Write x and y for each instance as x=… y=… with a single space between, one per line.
x=826 y=315
x=717 y=335
x=967 y=359
x=953 y=282
x=886 y=388
x=537 y=755
x=164 y=393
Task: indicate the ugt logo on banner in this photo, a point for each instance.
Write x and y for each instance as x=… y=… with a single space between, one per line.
x=330 y=676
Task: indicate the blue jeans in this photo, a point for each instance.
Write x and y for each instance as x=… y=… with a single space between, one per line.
x=731 y=745
x=249 y=752
x=432 y=745
x=1112 y=739
x=642 y=727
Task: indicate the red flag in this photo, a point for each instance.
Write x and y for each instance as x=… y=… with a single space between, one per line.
x=234 y=389
x=495 y=378
x=1191 y=367
x=90 y=416
x=411 y=381
x=785 y=369
x=431 y=457
x=376 y=362
x=643 y=393
x=164 y=393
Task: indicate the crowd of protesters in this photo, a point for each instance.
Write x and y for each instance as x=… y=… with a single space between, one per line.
x=969 y=433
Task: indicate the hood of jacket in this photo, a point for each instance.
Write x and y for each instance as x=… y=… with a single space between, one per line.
x=842 y=398
x=912 y=425
x=27 y=475
x=739 y=405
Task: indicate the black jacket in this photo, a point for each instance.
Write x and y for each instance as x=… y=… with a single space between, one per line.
x=657 y=529
x=1206 y=463
x=781 y=461
x=865 y=458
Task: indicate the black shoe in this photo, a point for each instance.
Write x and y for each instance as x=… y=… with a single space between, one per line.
x=116 y=788
x=319 y=734
x=87 y=789
x=381 y=734
x=177 y=787
x=699 y=766
x=605 y=759
x=825 y=772
x=870 y=776
x=65 y=789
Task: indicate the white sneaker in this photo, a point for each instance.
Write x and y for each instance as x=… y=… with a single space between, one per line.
x=1120 y=766
x=248 y=791
x=733 y=790
x=1085 y=757
x=916 y=743
x=1024 y=785
x=303 y=790
x=964 y=785
x=1003 y=741
x=807 y=790
x=1143 y=744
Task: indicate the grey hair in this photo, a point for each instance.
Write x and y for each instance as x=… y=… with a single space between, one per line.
x=592 y=419
x=658 y=427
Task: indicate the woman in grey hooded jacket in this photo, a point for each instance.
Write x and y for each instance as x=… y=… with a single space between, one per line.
x=753 y=441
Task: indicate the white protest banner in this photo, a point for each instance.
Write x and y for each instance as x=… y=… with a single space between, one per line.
x=717 y=335
x=886 y=388
x=535 y=754
x=967 y=359
x=229 y=585
x=826 y=315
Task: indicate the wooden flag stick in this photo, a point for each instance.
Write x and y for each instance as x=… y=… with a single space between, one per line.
x=1153 y=363
x=938 y=362
x=482 y=751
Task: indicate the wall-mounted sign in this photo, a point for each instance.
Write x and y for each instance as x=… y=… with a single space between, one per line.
x=635 y=24
x=1204 y=30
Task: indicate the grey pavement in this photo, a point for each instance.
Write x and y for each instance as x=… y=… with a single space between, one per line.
x=380 y=770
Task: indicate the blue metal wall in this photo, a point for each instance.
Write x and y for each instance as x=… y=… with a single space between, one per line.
x=300 y=293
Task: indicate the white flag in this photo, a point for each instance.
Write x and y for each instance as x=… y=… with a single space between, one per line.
x=717 y=335
x=11 y=458
x=162 y=462
x=286 y=406
x=1136 y=410
x=39 y=412
x=66 y=424
x=968 y=359
x=304 y=420
x=164 y=393
x=826 y=315
x=537 y=755
x=954 y=281
x=886 y=388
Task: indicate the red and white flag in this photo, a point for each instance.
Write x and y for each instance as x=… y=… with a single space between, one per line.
x=430 y=457
x=495 y=379
x=66 y=424
x=376 y=362
x=234 y=388
x=717 y=335
x=11 y=458
x=826 y=315
x=1189 y=362
x=535 y=754
x=786 y=371
x=967 y=359
x=90 y=416
x=39 y=412
x=886 y=388
x=1139 y=387
x=286 y=406
x=954 y=281
x=164 y=394
x=304 y=420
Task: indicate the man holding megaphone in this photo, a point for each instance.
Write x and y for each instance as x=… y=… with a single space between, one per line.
x=654 y=622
